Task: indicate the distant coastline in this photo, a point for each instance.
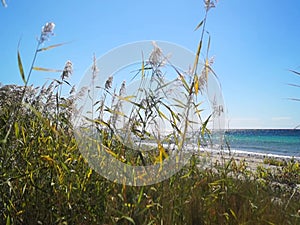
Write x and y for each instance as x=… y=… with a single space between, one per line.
x=265 y=142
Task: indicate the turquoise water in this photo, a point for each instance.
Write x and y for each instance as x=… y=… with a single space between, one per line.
x=284 y=142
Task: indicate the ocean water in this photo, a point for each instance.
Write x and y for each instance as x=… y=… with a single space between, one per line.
x=277 y=142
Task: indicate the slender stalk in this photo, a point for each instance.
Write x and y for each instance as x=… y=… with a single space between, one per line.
x=200 y=43
x=32 y=65
x=190 y=96
x=17 y=109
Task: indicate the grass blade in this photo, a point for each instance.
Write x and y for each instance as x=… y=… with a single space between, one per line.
x=208 y=44
x=295 y=72
x=196 y=84
x=21 y=67
x=294 y=99
x=181 y=77
x=233 y=214
x=140 y=195
x=48 y=159
x=199 y=25
x=197 y=56
x=17 y=130
x=294 y=85
x=162 y=152
x=128 y=219
x=204 y=126
x=50 y=47
x=8 y=217
x=45 y=69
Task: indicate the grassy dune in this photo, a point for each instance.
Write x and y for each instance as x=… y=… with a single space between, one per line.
x=45 y=180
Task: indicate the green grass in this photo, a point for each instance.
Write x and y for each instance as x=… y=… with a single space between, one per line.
x=275 y=161
x=45 y=180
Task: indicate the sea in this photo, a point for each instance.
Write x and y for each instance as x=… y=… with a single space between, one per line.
x=271 y=142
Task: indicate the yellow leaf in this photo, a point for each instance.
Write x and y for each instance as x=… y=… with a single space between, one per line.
x=196 y=84
x=197 y=57
x=50 y=47
x=20 y=212
x=68 y=160
x=53 y=128
x=233 y=214
x=61 y=175
x=162 y=150
x=89 y=173
x=162 y=154
x=47 y=158
x=46 y=69
x=110 y=152
x=31 y=177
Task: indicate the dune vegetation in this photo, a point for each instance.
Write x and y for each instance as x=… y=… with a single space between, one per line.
x=45 y=179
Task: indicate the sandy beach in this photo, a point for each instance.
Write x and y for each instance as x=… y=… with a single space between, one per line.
x=252 y=160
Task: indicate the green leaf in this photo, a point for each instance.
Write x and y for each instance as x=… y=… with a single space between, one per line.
x=17 y=130
x=187 y=174
x=140 y=195
x=21 y=68
x=233 y=214
x=64 y=166
x=34 y=110
x=46 y=69
x=128 y=218
x=204 y=126
x=8 y=220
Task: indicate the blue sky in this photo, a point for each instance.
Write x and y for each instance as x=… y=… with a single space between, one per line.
x=254 y=44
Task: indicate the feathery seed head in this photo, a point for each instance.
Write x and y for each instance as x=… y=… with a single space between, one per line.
x=68 y=70
x=156 y=55
x=123 y=88
x=108 y=83
x=47 y=30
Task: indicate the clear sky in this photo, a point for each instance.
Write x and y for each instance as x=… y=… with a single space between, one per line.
x=254 y=43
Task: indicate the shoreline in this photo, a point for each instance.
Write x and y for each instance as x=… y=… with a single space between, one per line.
x=252 y=159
